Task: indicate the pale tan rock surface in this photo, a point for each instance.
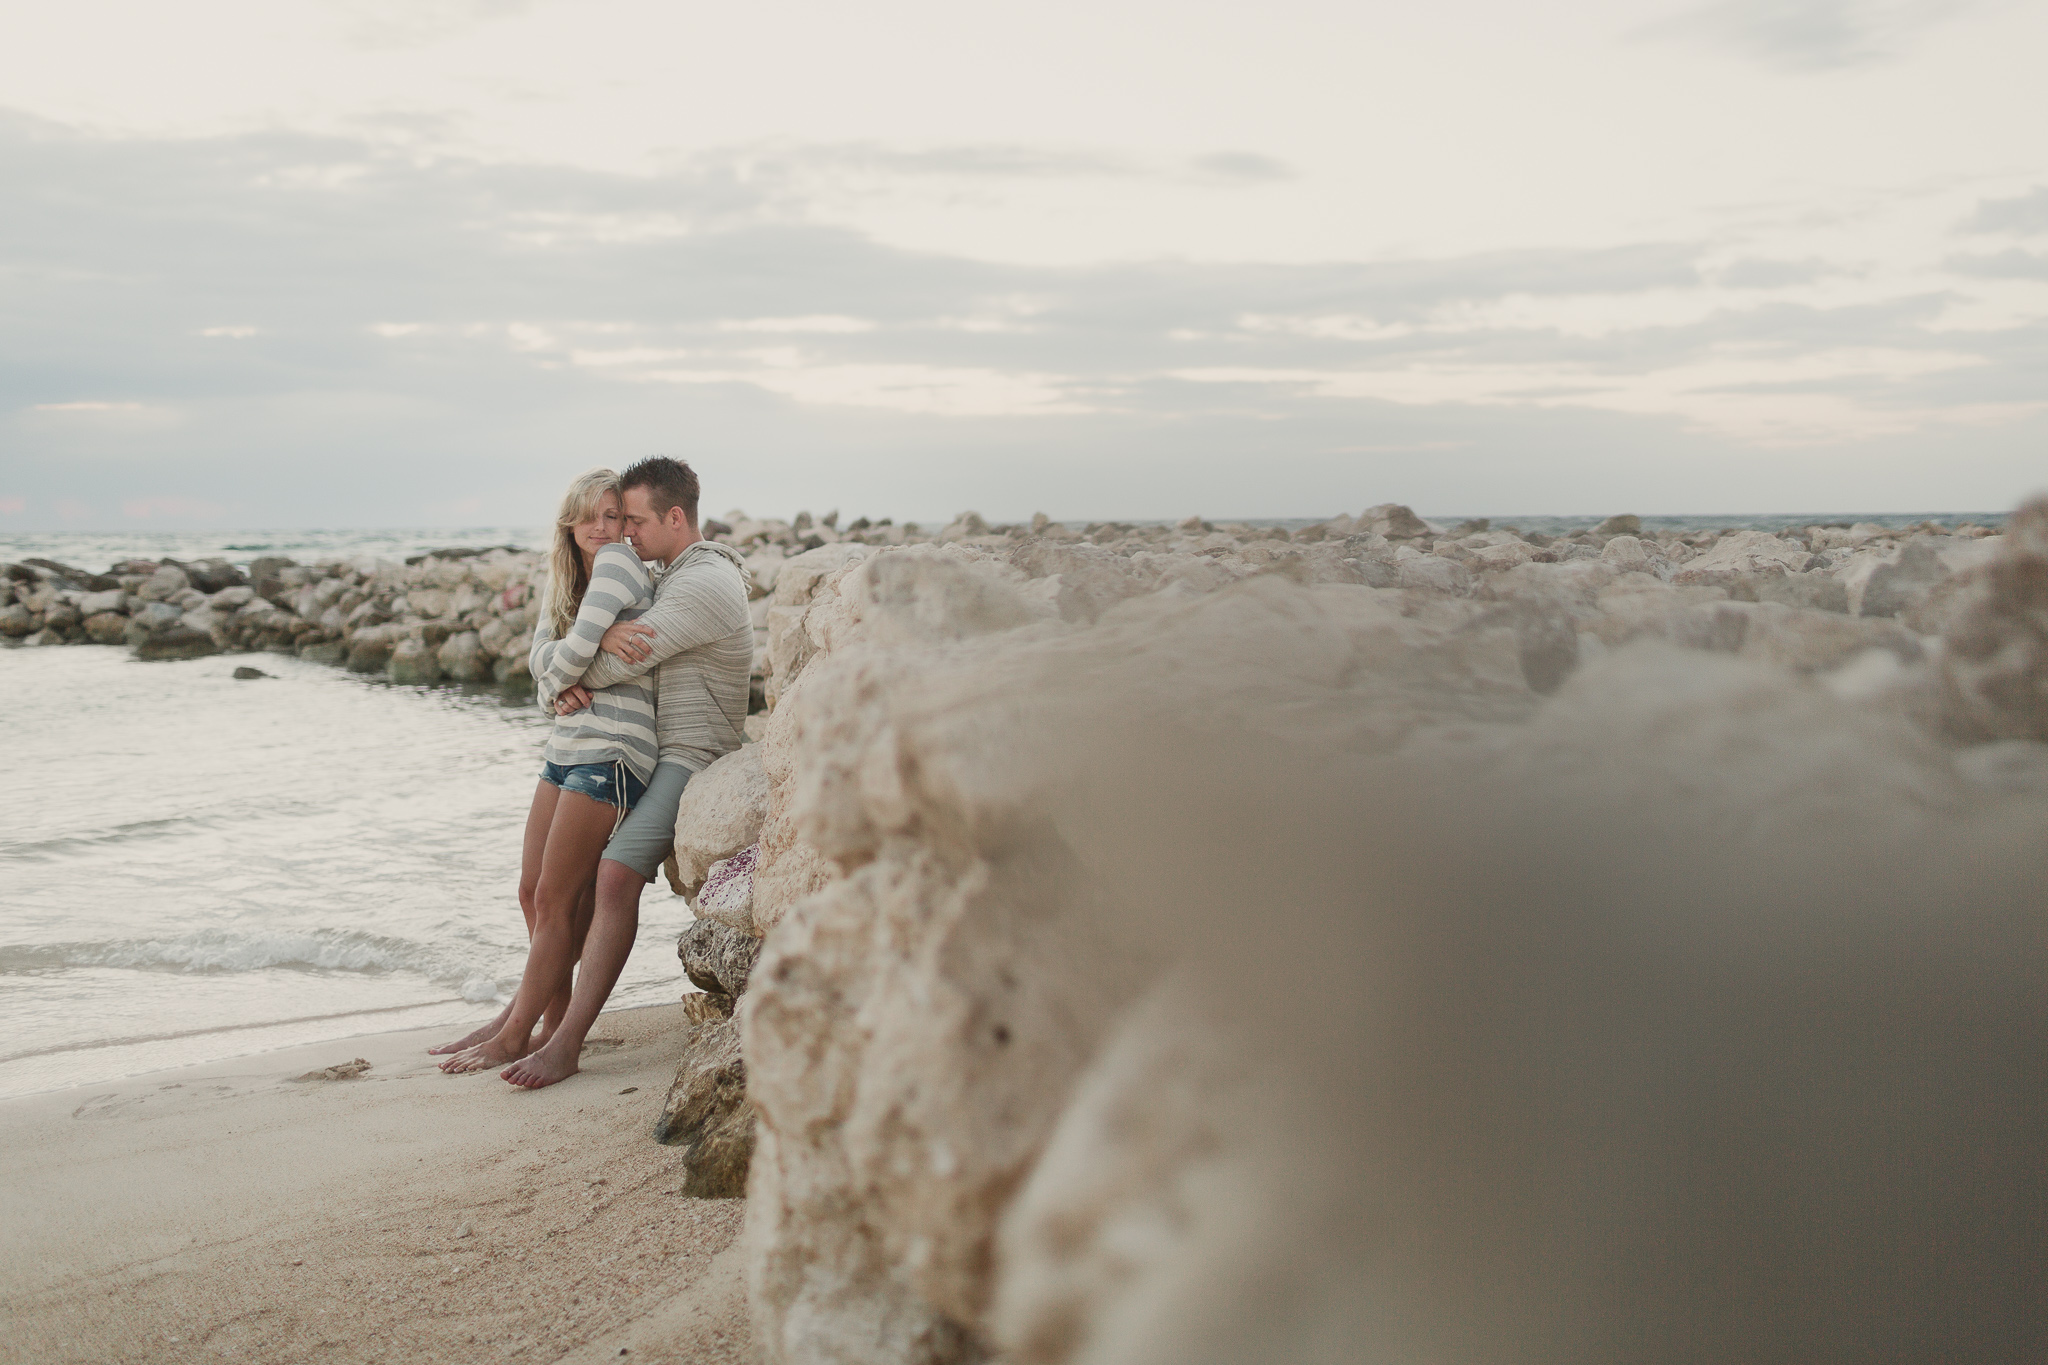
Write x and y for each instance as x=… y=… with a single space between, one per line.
x=1003 y=803
x=721 y=812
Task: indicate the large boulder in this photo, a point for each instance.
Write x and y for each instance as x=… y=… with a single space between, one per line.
x=463 y=658
x=706 y=1113
x=412 y=660
x=721 y=812
x=1994 y=663
x=1741 y=555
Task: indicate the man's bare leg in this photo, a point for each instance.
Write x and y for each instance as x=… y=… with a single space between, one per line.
x=533 y=847
x=586 y=910
x=604 y=956
x=576 y=838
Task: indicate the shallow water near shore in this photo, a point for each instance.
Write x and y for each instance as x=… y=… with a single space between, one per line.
x=194 y=867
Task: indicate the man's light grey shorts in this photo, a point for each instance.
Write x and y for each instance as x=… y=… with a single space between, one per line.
x=649 y=829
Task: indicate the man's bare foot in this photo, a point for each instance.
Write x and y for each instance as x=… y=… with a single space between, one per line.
x=470 y=1040
x=493 y=1051
x=544 y=1067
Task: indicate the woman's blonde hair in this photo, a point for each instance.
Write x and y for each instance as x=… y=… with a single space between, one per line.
x=567 y=578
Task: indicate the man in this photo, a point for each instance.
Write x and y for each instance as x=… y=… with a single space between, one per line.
x=700 y=637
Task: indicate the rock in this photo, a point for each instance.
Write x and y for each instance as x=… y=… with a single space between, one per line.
x=1392 y=520
x=106 y=628
x=1893 y=584
x=411 y=661
x=323 y=652
x=1814 y=591
x=721 y=812
x=463 y=658
x=707 y=1007
x=245 y=673
x=232 y=598
x=93 y=603
x=717 y=957
x=167 y=582
x=16 y=620
x=707 y=1114
x=728 y=894
x=1623 y=524
x=1433 y=574
x=178 y=641
x=1630 y=554
x=370 y=649
x=1741 y=554
x=214 y=575
x=1994 y=661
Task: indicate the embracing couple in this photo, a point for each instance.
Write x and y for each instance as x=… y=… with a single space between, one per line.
x=646 y=680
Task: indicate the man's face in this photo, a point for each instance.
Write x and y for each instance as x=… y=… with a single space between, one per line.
x=654 y=536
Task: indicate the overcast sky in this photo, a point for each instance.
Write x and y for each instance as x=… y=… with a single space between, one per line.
x=296 y=263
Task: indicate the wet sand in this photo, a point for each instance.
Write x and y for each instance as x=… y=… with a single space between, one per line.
x=230 y=1211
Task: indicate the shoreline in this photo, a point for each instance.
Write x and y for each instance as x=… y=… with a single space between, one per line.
x=229 y=1208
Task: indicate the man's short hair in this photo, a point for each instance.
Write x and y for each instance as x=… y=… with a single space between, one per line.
x=669 y=483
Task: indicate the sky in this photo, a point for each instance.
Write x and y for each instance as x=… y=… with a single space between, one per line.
x=298 y=263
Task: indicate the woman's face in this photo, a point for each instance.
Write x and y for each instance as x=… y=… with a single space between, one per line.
x=601 y=528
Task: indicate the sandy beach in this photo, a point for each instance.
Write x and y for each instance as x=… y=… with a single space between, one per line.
x=232 y=1211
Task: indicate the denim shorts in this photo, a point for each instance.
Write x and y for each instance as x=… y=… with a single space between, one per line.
x=598 y=781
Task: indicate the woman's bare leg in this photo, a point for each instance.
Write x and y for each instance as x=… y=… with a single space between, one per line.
x=539 y=816
x=576 y=838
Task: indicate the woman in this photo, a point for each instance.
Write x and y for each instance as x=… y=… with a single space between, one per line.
x=595 y=767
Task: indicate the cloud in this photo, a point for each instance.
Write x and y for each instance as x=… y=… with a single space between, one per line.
x=2005 y=265
x=1763 y=274
x=1807 y=35
x=2021 y=216
x=405 y=324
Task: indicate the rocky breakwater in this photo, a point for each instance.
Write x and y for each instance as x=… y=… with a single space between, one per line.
x=462 y=615
x=1193 y=944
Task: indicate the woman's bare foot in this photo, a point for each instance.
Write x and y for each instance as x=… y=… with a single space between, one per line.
x=470 y=1040
x=493 y=1051
x=544 y=1067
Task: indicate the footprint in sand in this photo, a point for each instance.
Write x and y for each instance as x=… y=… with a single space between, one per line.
x=602 y=1044
x=341 y=1071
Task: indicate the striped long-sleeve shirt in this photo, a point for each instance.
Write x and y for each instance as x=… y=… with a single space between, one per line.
x=704 y=649
x=619 y=722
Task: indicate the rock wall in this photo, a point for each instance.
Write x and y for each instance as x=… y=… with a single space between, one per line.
x=1191 y=945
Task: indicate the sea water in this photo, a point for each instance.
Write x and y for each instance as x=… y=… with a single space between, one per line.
x=195 y=867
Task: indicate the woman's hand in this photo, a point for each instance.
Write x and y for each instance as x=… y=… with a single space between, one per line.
x=571 y=700
x=628 y=640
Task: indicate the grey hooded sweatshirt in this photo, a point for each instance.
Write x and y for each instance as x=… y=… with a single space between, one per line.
x=704 y=650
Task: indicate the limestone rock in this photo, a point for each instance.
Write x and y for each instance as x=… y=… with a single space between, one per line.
x=1892 y=584
x=179 y=641
x=707 y=1114
x=371 y=648
x=1622 y=524
x=717 y=957
x=411 y=661
x=462 y=657
x=1994 y=663
x=106 y=628
x=1392 y=520
x=1744 y=553
x=728 y=894
x=164 y=584
x=721 y=812
x=1630 y=554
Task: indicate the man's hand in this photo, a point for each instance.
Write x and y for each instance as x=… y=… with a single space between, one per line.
x=628 y=640
x=571 y=699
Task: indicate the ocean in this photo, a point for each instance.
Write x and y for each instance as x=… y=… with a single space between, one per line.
x=194 y=867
